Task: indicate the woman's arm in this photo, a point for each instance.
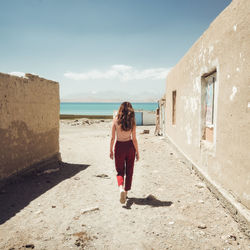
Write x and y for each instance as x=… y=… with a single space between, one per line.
x=135 y=143
x=111 y=155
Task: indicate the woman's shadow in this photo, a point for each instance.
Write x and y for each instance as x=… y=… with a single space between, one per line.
x=150 y=200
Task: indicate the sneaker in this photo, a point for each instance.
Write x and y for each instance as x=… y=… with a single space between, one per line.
x=122 y=197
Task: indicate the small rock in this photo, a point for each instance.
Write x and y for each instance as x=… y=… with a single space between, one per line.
x=232 y=237
x=78 y=243
x=53 y=170
x=38 y=212
x=171 y=222
x=171 y=153
x=77 y=178
x=105 y=176
x=228 y=237
x=30 y=246
x=202 y=226
x=200 y=185
x=53 y=206
x=48 y=171
x=150 y=197
x=83 y=211
x=201 y=201
x=68 y=228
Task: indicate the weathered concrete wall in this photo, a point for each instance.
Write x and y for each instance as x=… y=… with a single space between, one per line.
x=29 y=122
x=224 y=47
x=148 y=117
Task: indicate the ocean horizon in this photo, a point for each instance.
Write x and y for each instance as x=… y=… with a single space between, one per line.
x=101 y=108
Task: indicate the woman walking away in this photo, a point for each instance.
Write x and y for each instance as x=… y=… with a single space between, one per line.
x=126 y=147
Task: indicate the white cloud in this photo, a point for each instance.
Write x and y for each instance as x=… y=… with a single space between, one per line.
x=20 y=74
x=113 y=96
x=121 y=72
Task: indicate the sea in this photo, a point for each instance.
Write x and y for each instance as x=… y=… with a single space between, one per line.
x=97 y=108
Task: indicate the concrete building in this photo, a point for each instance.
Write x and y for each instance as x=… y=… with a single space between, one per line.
x=208 y=106
x=162 y=115
x=148 y=117
x=142 y=117
x=29 y=123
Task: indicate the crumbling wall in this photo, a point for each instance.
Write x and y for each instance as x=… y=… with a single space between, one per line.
x=29 y=122
x=223 y=49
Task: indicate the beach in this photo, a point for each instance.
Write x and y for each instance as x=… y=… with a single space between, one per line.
x=75 y=204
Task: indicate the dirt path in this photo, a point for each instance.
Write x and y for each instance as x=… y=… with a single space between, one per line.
x=77 y=206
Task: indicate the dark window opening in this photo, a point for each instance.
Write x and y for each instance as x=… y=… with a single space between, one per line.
x=174 y=107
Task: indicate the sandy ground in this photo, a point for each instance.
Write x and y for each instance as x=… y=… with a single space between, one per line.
x=76 y=205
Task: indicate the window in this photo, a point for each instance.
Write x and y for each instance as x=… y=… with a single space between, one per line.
x=174 y=107
x=207 y=101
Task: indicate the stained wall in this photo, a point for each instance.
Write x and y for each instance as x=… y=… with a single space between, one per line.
x=29 y=122
x=225 y=48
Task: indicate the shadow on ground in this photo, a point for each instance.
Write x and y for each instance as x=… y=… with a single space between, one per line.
x=17 y=194
x=148 y=201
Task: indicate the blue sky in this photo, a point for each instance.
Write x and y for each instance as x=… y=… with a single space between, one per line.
x=102 y=49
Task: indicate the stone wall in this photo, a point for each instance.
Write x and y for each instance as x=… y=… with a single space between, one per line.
x=29 y=123
x=223 y=50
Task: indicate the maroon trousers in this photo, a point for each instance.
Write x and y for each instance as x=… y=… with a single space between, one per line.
x=124 y=162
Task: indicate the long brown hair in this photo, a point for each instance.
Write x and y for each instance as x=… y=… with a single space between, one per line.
x=126 y=116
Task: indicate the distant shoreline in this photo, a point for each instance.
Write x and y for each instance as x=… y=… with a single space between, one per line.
x=102 y=102
x=93 y=110
x=72 y=117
